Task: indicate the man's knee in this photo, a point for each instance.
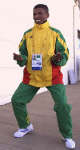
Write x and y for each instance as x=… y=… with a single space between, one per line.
x=65 y=108
x=14 y=98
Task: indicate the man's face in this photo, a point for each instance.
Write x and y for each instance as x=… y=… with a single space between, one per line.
x=40 y=15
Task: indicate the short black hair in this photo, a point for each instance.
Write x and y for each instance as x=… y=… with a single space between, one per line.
x=42 y=6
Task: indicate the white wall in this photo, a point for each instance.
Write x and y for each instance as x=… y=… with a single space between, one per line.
x=76 y=40
x=15 y=18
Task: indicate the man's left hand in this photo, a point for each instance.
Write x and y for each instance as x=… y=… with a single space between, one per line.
x=56 y=58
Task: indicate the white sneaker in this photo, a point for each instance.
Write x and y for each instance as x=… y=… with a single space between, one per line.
x=22 y=132
x=69 y=143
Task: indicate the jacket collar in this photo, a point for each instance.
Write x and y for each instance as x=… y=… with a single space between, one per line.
x=42 y=26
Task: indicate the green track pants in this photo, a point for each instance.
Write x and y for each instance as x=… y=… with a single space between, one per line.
x=24 y=95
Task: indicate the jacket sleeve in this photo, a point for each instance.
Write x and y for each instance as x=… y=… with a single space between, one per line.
x=61 y=47
x=23 y=52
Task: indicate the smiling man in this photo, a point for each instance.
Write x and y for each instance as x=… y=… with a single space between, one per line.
x=40 y=15
x=43 y=50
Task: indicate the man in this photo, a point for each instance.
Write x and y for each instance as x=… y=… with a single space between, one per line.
x=43 y=51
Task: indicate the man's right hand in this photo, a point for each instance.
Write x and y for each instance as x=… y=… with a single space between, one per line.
x=17 y=57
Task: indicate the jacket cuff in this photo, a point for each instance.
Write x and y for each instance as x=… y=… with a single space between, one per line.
x=62 y=62
x=23 y=62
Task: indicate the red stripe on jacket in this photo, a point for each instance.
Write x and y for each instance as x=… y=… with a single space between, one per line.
x=57 y=76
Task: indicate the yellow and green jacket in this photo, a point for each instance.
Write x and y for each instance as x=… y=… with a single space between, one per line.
x=45 y=40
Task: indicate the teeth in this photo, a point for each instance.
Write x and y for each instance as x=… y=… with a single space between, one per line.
x=38 y=20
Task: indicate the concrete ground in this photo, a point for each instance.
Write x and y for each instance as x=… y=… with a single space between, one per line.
x=46 y=135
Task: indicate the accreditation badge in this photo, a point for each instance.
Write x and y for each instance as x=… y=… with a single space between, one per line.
x=36 y=61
